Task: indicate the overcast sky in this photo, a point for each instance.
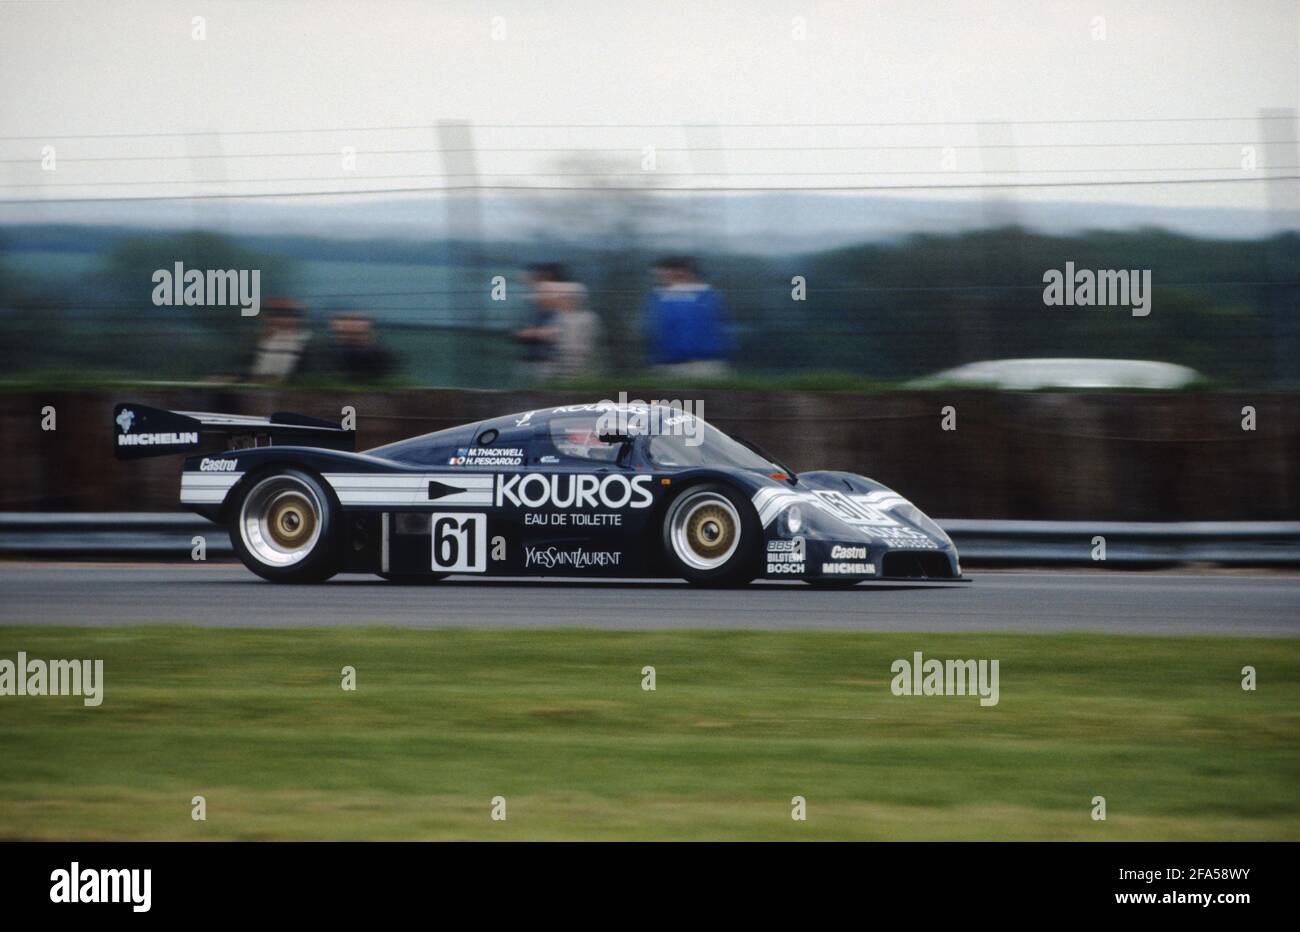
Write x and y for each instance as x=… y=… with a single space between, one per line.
x=618 y=76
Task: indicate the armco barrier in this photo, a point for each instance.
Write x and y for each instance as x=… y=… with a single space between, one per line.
x=1258 y=543
x=88 y=534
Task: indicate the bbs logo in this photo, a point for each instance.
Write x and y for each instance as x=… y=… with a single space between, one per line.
x=786 y=556
x=791 y=550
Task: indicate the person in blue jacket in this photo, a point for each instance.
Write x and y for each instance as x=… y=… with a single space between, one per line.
x=685 y=323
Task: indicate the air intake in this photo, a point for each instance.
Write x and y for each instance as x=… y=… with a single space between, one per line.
x=917 y=564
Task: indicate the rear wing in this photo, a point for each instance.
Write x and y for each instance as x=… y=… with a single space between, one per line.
x=140 y=431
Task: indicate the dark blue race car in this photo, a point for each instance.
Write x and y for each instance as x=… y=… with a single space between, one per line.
x=577 y=490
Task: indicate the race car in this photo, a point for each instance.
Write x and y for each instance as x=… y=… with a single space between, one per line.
x=583 y=490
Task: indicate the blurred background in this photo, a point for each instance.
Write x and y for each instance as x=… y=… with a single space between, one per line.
x=878 y=309
x=861 y=198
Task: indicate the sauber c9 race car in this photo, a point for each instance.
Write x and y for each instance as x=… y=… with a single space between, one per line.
x=578 y=490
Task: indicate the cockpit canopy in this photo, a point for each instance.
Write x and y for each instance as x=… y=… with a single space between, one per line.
x=671 y=438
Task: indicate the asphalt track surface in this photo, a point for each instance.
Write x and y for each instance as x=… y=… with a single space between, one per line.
x=1117 y=602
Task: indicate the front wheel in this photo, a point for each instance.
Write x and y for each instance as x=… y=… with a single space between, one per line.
x=712 y=536
x=284 y=528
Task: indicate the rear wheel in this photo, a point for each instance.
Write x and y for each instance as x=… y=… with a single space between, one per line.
x=284 y=528
x=711 y=536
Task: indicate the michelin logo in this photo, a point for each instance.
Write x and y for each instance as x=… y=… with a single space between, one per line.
x=126 y=419
x=848 y=569
x=142 y=440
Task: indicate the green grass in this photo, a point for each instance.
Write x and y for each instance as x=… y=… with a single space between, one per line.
x=556 y=721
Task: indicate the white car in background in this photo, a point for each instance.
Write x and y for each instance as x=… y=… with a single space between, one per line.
x=1034 y=374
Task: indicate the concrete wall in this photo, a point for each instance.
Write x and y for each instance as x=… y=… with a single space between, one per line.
x=1143 y=457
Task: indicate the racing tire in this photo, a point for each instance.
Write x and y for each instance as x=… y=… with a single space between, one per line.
x=285 y=527
x=712 y=537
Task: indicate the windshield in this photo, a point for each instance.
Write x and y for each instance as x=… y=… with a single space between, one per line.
x=707 y=447
x=578 y=438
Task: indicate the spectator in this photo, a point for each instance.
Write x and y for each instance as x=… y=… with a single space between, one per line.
x=539 y=335
x=281 y=344
x=561 y=336
x=576 y=328
x=684 y=322
x=356 y=356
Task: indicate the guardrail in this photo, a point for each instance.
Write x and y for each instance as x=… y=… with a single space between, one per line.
x=160 y=535
x=1239 y=543
x=1247 y=543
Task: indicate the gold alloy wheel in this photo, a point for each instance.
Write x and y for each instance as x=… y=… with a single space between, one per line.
x=290 y=520
x=280 y=520
x=710 y=531
x=704 y=529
